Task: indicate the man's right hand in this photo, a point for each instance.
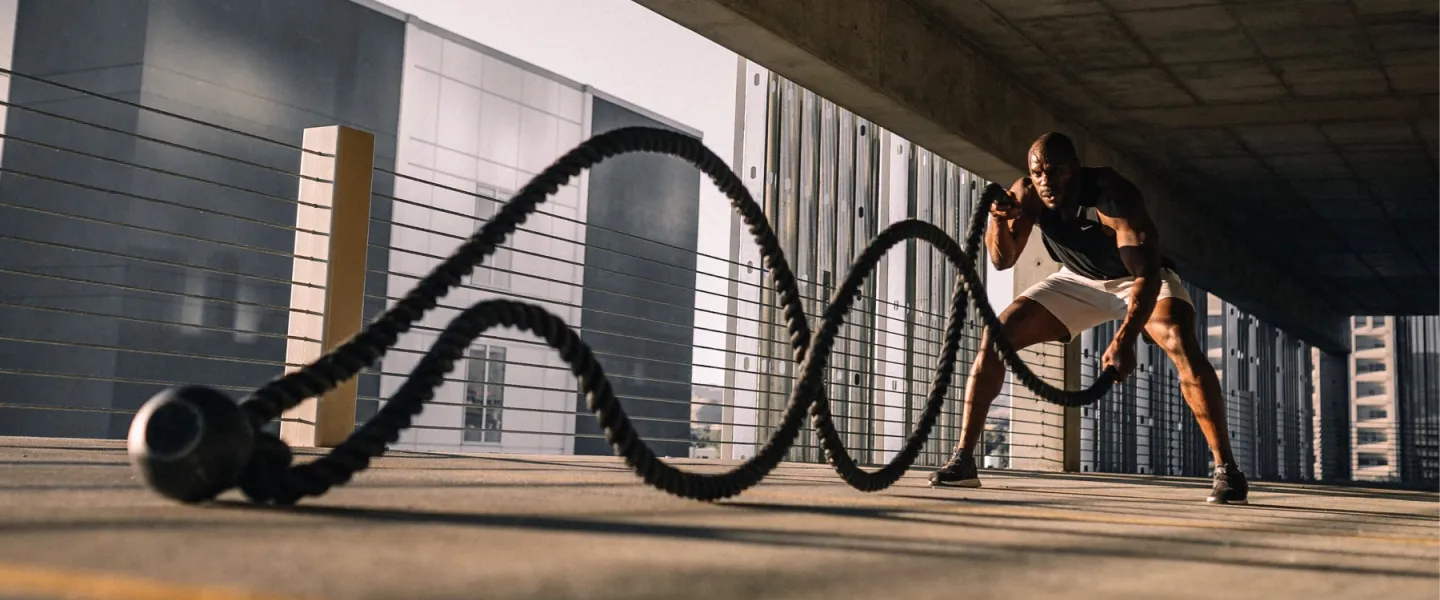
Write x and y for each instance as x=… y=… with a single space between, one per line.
x=1011 y=223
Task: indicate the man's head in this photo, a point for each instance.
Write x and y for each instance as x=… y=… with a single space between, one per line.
x=1053 y=167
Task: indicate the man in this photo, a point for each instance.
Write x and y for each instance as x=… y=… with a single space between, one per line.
x=1093 y=222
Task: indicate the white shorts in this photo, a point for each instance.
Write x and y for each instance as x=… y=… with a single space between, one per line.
x=1081 y=303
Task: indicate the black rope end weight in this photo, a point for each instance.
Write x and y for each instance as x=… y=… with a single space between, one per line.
x=190 y=443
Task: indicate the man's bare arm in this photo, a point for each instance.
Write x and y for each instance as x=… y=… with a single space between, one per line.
x=1122 y=208
x=1006 y=237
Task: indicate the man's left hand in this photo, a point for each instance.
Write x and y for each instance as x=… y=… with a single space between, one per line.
x=1122 y=357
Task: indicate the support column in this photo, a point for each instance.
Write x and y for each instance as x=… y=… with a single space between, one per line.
x=327 y=293
x=1044 y=436
x=1332 y=410
x=1071 y=441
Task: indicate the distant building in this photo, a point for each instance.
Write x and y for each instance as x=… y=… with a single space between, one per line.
x=116 y=281
x=829 y=181
x=1395 y=398
x=1372 y=400
x=1417 y=376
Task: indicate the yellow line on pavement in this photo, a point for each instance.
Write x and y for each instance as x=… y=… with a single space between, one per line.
x=45 y=582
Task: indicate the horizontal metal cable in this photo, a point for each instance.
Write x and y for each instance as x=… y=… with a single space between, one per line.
x=165 y=383
x=163 y=323
x=503 y=292
x=180 y=176
x=159 y=111
x=283 y=364
x=838 y=353
x=313 y=312
x=530 y=432
x=759 y=392
x=878 y=407
x=132 y=288
x=912 y=380
x=686 y=288
x=921 y=327
x=598 y=331
x=394 y=374
x=151 y=352
x=439 y=304
x=160 y=261
x=112 y=379
x=475 y=194
x=481 y=445
x=812 y=447
x=275 y=363
x=158 y=141
x=132 y=226
x=725 y=278
x=99 y=409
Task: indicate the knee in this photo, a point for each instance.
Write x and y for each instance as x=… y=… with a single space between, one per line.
x=1184 y=352
x=1172 y=340
x=988 y=358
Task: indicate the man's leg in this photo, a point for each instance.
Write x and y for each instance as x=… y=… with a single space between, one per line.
x=1026 y=323
x=1172 y=328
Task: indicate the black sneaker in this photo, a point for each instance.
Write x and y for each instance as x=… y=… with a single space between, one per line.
x=1230 y=486
x=959 y=472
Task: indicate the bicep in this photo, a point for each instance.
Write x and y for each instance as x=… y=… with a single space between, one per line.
x=1135 y=234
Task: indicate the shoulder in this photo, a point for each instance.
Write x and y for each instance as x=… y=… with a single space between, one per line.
x=1118 y=197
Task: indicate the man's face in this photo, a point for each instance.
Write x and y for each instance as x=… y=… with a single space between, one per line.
x=1051 y=178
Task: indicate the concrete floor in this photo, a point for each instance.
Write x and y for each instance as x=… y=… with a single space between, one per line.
x=74 y=523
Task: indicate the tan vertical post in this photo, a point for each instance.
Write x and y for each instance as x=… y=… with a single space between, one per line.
x=1040 y=431
x=327 y=296
x=1072 y=413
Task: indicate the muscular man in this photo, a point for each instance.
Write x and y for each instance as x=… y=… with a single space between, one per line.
x=1093 y=222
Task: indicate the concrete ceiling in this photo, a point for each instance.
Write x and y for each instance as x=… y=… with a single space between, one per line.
x=1309 y=125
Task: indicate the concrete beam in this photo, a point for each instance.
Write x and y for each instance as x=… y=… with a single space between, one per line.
x=890 y=62
x=1298 y=111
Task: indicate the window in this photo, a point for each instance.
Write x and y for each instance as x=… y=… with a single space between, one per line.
x=1365 y=389
x=484 y=394
x=1366 y=342
x=1369 y=436
x=1372 y=460
x=1369 y=365
x=1365 y=413
x=494 y=272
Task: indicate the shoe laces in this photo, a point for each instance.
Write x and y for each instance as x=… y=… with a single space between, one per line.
x=1222 y=472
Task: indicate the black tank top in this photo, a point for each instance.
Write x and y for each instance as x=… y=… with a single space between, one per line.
x=1080 y=242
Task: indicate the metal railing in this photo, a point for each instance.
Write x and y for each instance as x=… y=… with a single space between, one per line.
x=167 y=260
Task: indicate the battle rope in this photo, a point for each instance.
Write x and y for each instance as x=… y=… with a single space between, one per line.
x=194 y=443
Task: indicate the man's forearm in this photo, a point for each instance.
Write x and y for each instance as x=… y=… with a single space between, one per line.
x=1142 y=303
x=1000 y=239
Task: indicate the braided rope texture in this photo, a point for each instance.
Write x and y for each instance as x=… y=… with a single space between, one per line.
x=271 y=478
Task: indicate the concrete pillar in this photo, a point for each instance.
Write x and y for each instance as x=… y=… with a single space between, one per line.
x=1044 y=436
x=1332 y=410
x=327 y=296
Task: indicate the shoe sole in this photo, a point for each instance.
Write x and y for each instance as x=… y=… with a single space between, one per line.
x=964 y=483
x=1219 y=501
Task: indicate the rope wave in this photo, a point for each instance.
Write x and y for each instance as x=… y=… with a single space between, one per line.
x=268 y=476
